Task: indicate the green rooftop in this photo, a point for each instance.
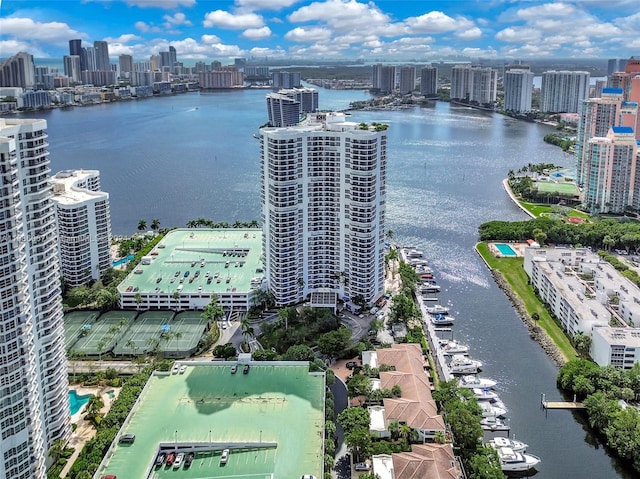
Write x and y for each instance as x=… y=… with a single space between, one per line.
x=230 y=257
x=272 y=419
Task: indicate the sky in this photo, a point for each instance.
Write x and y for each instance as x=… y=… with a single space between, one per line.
x=375 y=30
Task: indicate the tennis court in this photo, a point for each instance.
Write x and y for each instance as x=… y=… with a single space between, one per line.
x=145 y=334
x=104 y=332
x=74 y=322
x=563 y=188
x=185 y=331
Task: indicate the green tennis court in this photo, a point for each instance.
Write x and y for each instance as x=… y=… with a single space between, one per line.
x=185 y=331
x=562 y=188
x=105 y=331
x=145 y=334
x=207 y=408
x=74 y=322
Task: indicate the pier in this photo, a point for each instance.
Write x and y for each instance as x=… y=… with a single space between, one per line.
x=560 y=404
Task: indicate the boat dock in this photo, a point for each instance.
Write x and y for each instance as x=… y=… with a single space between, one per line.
x=560 y=404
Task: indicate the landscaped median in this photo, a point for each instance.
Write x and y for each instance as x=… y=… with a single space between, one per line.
x=527 y=303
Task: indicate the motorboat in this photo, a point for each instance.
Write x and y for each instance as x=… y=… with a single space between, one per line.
x=491 y=410
x=414 y=253
x=517 y=446
x=512 y=461
x=442 y=319
x=437 y=309
x=494 y=424
x=472 y=381
x=429 y=288
x=485 y=394
x=461 y=364
x=450 y=347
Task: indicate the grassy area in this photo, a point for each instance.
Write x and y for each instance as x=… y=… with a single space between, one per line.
x=514 y=274
x=539 y=210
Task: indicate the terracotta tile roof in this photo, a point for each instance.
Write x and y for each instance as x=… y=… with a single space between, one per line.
x=432 y=461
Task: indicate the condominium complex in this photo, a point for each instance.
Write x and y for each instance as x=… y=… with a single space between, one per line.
x=286 y=79
x=407 y=81
x=211 y=80
x=34 y=411
x=19 y=71
x=84 y=226
x=286 y=106
x=518 y=88
x=629 y=81
x=384 y=78
x=323 y=209
x=429 y=82
x=474 y=84
x=563 y=91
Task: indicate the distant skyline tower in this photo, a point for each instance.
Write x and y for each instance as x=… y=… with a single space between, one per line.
x=563 y=91
x=474 y=84
x=323 y=209
x=72 y=67
x=518 y=89
x=75 y=48
x=125 y=62
x=286 y=80
x=35 y=404
x=407 y=81
x=429 y=82
x=18 y=71
x=103 y=63
x=283 y=110
x=384 y=78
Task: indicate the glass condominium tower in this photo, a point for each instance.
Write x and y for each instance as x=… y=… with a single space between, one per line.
x=323 y=192
x=34 y=406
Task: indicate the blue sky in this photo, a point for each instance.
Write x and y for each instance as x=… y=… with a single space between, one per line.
x=327 y=29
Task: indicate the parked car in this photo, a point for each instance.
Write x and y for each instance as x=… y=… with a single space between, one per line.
x=176 y=369
x=246 y=368
x=170 y=458
x=110 y=476
x=183 y=368
x=362 y=466
x=351 y=364
x=234 y=368
x=225 y=457
x=178 y=462
x=160 y=459
x=188 y=460
x=127 y=438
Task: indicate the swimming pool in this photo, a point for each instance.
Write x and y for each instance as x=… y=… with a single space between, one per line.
x=505 y=249
x=76 y=401
x=123 y=260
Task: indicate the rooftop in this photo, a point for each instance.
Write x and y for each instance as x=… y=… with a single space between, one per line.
x=230 y=257
x=67 y=193
x=208 y=409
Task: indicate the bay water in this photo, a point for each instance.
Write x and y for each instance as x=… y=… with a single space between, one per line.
x=188 y=156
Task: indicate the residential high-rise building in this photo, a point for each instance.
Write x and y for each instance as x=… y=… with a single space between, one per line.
x=307 y=97
x=34 y=410
x=102 y=56
x=429 y=82
x=518 y=88
x=609 y=185
x=286 y=79
x=407 y=79
x=84 y=225
x=283 y=110
x=126 y=66
x=75 y=48
x=597 y=116
x=615 y=65
x=474 y=84
x=19 y=70
x=72 y=67
x=629 y=81
x=323 y=209
x=563 y=91
x=221 y=79
x=384 y=78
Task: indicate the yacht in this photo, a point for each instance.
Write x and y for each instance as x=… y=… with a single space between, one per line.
x=450 y=347
x=442 y=319
x=491 y=410
x=414 y=253
x=472 y=381
x=517 y=446
x=429 y=288
x=512 y=461
x=494 y=424
x=461 y=364
x=437 y=309
x=485 y=394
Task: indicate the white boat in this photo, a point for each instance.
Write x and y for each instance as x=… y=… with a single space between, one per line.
x=461 y=364
x=429 y=288
x=485 y=394
x=414 y=253
x=437 y=309
x=489 y=410
x=512 y=461
x=495 y=424
x=472 y=381
x=441 y=319
x=517 y=446
x=450 y=347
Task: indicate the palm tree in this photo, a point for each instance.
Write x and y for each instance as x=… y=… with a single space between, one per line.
x=394 y=429
x=155 y=224
x=57 y=449
x=405 y=432
x=92 y=409
x=142 y=225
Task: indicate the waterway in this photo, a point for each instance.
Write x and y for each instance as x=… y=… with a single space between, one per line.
x=193 y=155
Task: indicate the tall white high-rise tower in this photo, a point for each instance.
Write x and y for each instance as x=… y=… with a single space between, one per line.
x=323 y=208
x=34 y=410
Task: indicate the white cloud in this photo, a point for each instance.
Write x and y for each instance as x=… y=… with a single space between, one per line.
x=117 y=49
x=165 y=4
x=432 y=22
x=268 y=52
x=257 y=33
x=51 y=32
x=177 y=18
x=472 y=33
x=144 y=27
x=241 y=21
x=209 y=39
x=124 y=38
x=309 y=34
x=548 y=10
x=265 y=4
x=518 y=35
x=15 y=46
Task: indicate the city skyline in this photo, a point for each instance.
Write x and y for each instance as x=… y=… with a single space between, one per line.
x=331 y=29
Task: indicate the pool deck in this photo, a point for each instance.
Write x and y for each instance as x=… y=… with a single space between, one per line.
x=518 y=249
x=207 y=409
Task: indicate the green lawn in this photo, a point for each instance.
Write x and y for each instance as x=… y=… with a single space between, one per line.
x=537 y=210
x=514 y=274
